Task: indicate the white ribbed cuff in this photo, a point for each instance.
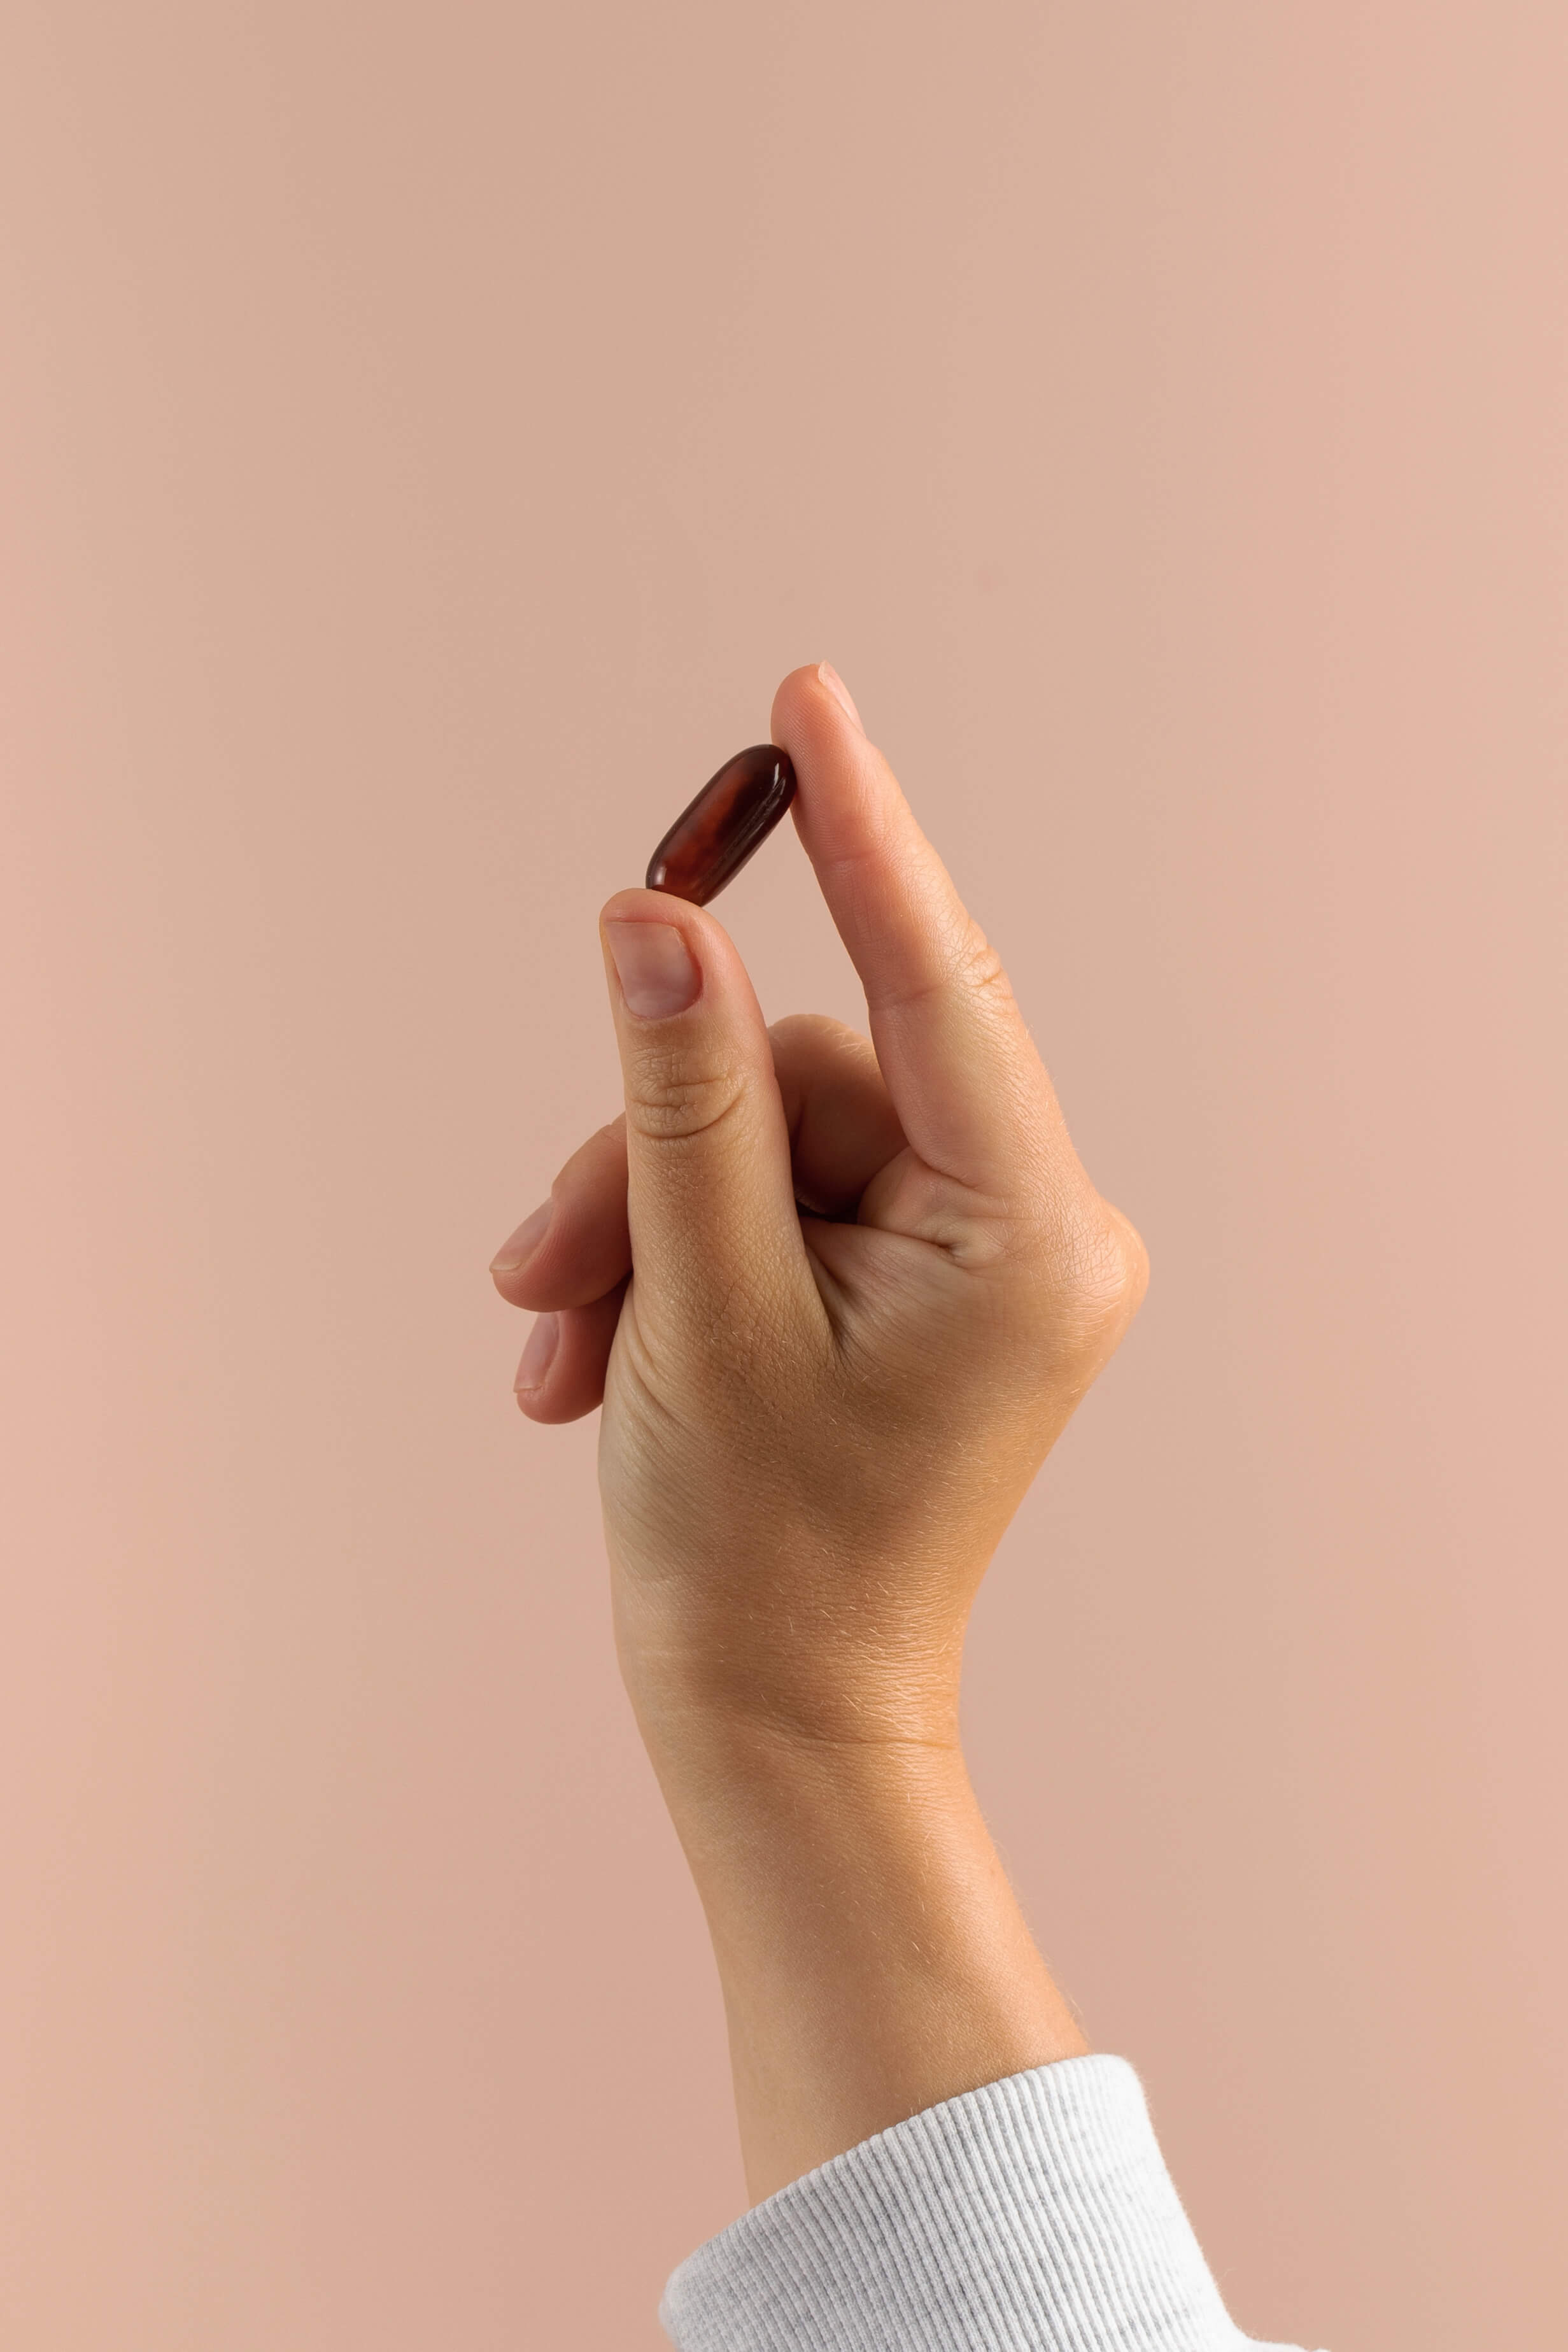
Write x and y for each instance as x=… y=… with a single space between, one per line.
x=1034 y=2215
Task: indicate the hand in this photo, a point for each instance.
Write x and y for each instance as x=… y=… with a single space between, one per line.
x=839 y=1298
x=872 y=1282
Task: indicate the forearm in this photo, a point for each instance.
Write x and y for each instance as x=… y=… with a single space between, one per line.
x=925 y=2176
x=872 y=1956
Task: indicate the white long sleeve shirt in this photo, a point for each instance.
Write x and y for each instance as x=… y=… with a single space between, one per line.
x=1034 y=2215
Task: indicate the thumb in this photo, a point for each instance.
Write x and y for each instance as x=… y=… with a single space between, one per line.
x=715 y=1236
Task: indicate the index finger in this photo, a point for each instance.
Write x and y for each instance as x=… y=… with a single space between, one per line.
x=969 y=1088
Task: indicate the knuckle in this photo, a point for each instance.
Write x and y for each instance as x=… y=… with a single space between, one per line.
x=1095 y=1275
x=670 y=1098
x=1108 y=1271
x=808 y=1029
x=982 y=968
x=604 y=1142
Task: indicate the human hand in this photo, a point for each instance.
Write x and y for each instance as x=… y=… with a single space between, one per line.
x=839 y=1297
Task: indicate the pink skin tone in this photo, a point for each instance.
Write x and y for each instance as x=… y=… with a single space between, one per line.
x=837 y=1296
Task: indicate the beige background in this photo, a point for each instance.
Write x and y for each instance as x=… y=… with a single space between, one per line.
x=428 y=434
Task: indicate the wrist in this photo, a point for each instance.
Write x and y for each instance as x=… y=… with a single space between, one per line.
x=760 y=1696
x=760 y=1780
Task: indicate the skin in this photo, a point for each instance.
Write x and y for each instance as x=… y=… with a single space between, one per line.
x=837 y=1297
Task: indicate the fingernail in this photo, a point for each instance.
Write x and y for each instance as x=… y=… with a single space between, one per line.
x=658 y=976
x=840 y=692
x=539 y=1353
x=524 y=1242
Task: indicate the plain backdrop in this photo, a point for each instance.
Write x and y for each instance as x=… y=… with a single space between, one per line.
x=427 y=434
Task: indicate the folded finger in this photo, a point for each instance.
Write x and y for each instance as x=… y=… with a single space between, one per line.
x=843 y=1130
x=578 y=1245
x=561 y=1375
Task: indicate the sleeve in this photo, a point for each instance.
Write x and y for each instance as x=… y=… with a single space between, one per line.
x=1034 y=2215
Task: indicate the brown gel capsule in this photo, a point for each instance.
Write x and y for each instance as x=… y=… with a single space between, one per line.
x=732 y=815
